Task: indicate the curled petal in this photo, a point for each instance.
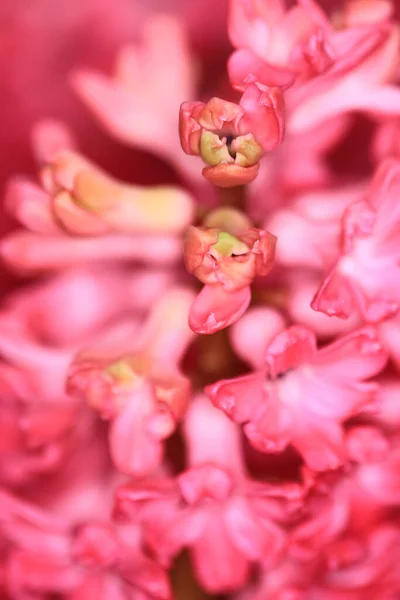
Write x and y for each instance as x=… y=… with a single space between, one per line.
x=230 y=175
x=264 y=115
x=358 y=355
x=290 y=348
x=189 y=128
x=214 y=308
x=135 y=450
x=239 y=398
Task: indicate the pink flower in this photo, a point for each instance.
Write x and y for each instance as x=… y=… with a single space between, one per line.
x=133 y=379
x=367 y=275
x=86 y=201
x=83 y=215
x=48 y=555
x=232 y=138
x=41 y=424
x=361 y=80
x=303 y=395
x=226 y=255
x=276 y=46
x=227 y=520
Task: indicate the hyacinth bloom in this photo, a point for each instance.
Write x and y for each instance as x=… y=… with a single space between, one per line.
x=86 y=201
x=41 y=424
x=227 y=520
x=226 y=254
x=96 y=559
x=363 y=81
x=303 y=395
x=277 y=46
x=282 y=481
x=81 y=214
x=232 y=138
x=135 y=382
x=366 y=276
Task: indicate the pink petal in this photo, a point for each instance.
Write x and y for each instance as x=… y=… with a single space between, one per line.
x=218 y=564
x=290 y=348
x=214 y=308
x=133 y=450
x=353 y=357
x=321 y=444
x=239 y=398
x=251 y=335
x=245 y=68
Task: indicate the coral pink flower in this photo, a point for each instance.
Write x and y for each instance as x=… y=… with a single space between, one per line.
x=232 y=138
x=135 y=382
x=86 y=201
x=303 y=395
x=367 y=274
x=363 y=81
x=227 y=520
x=276 y=45
x=46 y=555
x=226 y=255
x=83 y=215
x=41 y=424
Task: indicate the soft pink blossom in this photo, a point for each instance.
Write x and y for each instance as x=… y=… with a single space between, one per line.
x=277 y=46
x=226 y=255
x=48 y=555
x=303 y=395
x=135 y=381
x=227 y=520
x=366 y=276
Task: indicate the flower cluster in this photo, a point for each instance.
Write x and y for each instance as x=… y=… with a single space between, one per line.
x=199 y=363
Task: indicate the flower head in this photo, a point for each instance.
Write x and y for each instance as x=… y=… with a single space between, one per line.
x=232 y=138
x=132 y=378
x=226 y=255
x=303 y=395
x=227 y=520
